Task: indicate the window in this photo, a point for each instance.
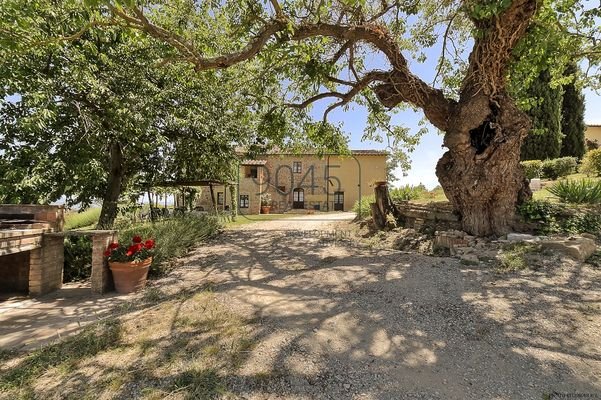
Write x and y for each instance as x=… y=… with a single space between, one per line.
x=251 y=171
x=244 y=201
x=282 y=189
x=297 y=167
x=220 y=198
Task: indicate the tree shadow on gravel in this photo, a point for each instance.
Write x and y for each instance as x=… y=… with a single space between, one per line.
x=284 y=316
x=384 y=324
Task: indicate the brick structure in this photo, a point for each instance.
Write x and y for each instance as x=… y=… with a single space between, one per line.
x=52 y=216
x=32 y=250
x=46 y=266
x=102 y=279
x=30 y=261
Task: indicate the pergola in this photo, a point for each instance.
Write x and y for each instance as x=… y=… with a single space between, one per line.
x=180 y=183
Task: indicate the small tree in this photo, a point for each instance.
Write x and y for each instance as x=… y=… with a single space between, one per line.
x=572 y=116
x=544 y=139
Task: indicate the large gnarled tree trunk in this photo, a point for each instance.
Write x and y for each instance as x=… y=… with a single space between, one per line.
x=480 y=173
x=484 y=130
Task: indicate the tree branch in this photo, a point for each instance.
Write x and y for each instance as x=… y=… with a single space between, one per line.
x=315 y=98
x=398 y=86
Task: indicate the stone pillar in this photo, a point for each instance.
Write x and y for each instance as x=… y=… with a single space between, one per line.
x=102 y=280
x=46 y=266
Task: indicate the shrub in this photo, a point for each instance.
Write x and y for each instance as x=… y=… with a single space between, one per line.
x=174 y=237
x=560 y=218
x=363 y=207
x=82 y=219
x=514 y=257
x=533 y=168
x=559 y=167
x=592 y=144
x=407 y=192
x=591 y=163
x=78 y=258
x=584 y=191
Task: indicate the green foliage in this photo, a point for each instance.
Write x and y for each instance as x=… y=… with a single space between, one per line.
x=81 y=219
x=64 y=103
x=403 y=193
x=363 y=207
x=407 y=192
x=559 y=167
x=544 y=141
x=591 y=163
x=532 y=168
x=514 y=257
x=584 y=191
x=561 y=218
x=572 y=116
x=78 y=258
x=538 y=210
x=173 y=237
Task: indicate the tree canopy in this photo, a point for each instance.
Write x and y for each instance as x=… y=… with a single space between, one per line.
x=326 y=51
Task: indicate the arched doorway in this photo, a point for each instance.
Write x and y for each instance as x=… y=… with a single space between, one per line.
x=298 y=198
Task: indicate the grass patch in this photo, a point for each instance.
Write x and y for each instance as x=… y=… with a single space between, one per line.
x=514 y=257
x=434 y=195
x=544 y=193
x=19 y=378
x=174 y=237
x=185 y=345
x=84 y=219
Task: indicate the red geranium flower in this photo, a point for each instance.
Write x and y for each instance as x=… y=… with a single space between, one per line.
x=149 y=244
x=137 y=239
x=133 y=249
x=113 y=245
x=107 y=253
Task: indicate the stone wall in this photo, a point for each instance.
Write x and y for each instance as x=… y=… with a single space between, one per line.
x=439 y=215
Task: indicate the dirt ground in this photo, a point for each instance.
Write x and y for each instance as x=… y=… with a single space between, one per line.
x=338 y=320
x=329 y=318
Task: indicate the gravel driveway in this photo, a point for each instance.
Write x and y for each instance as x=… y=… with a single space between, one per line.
x=332 y=319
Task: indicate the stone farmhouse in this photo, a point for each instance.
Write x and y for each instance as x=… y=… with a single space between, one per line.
x=306 y=181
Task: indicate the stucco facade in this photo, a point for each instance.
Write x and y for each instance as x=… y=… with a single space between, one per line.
x=304 y=181
x=593 y=133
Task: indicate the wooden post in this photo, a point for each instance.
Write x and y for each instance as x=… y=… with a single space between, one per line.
x=213 y=198
x=382 y=206
x=234 y=202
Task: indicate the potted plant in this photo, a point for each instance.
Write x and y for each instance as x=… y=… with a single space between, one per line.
x=129 y=264
x=265 y=203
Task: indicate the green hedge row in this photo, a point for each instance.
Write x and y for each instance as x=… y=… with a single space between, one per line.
x=550 y=169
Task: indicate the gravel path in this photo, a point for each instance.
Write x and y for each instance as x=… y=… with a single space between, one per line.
x=335 y=320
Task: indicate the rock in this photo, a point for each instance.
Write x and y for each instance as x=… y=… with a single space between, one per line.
x=472 y=258
x=588 y=236
x=522 y=237
x=579 y=248
x=347 y=386
x=449 y=239
x=535 y=184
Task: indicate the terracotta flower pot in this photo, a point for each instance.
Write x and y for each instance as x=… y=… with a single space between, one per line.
x=130 y=276
x=265 y=209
